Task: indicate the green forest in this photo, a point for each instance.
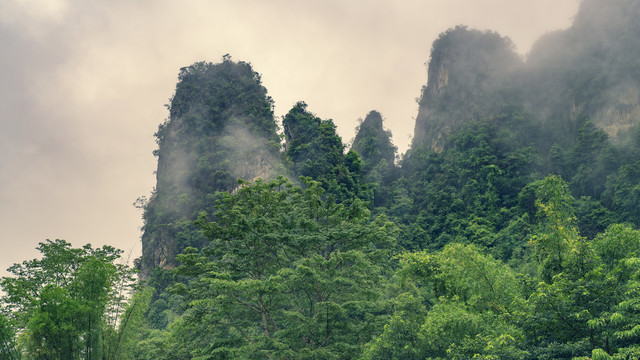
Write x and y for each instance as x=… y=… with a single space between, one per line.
x=508 y=230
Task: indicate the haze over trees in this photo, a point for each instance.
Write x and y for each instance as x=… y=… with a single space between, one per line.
x=509 y=230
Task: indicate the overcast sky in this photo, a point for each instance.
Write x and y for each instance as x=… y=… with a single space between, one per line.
x=84 y=82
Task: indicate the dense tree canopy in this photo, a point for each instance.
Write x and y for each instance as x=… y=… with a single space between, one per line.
x=68 y=304
x=314 y=149
x=509 y=230
x=286 y=275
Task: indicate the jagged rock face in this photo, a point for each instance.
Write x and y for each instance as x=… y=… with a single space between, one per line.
x=221 y=128
x=621 y=112
x=465 y=68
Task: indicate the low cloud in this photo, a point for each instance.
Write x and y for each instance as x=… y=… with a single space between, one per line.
x=84 y=83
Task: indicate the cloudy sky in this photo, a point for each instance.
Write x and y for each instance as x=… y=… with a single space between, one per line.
x=84 y=82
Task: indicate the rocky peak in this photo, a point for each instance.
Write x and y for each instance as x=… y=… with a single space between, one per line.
x=464 y=68
x=220 y=128
x=373 y=142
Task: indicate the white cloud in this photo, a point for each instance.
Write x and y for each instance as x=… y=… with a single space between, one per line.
x=33 y=17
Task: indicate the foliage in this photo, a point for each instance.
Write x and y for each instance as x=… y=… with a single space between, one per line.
x=67 y=304
x=315 y=150
x=468 y=299
x=556 y=234
x=467 y=193
x=287 y=275
x=622 y=193
x=220 y=128
x=124 y=342
x=373 y=144
x=8 y=346
x=583 y=283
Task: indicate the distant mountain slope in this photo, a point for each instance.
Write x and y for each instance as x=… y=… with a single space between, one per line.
x=589 y=71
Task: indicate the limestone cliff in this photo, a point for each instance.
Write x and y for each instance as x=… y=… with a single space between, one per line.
x=621 y=112
x=589 y=71
x=220 y=128
x=465 y=69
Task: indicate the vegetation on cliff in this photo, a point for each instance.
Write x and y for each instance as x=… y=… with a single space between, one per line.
x=220 y=128
x=508 y=231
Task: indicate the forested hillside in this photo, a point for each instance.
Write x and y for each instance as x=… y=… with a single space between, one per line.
x=509 y=229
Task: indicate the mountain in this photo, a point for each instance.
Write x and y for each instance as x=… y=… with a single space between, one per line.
x=466 y=69
x=507 y=231
x=586 y=72
x=220 y=128
x=589 y=70
x=374 y=145
x=558 y=110
x=314 y=149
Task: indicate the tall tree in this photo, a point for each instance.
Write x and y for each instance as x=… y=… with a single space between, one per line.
x=8 y=346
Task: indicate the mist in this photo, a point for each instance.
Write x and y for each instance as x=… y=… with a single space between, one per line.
x=84 y=84
x=589 y=70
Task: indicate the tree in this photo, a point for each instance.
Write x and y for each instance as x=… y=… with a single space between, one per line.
x=618 y=248
x=287 y=275
x=124 y=341
x=455 y=305
x=583 y=303
x=557 y=234
x=8 y=347
x=314 y=149
x=66 y=304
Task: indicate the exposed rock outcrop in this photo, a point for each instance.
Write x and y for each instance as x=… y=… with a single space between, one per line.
x=221 y=128
x=465 y=69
